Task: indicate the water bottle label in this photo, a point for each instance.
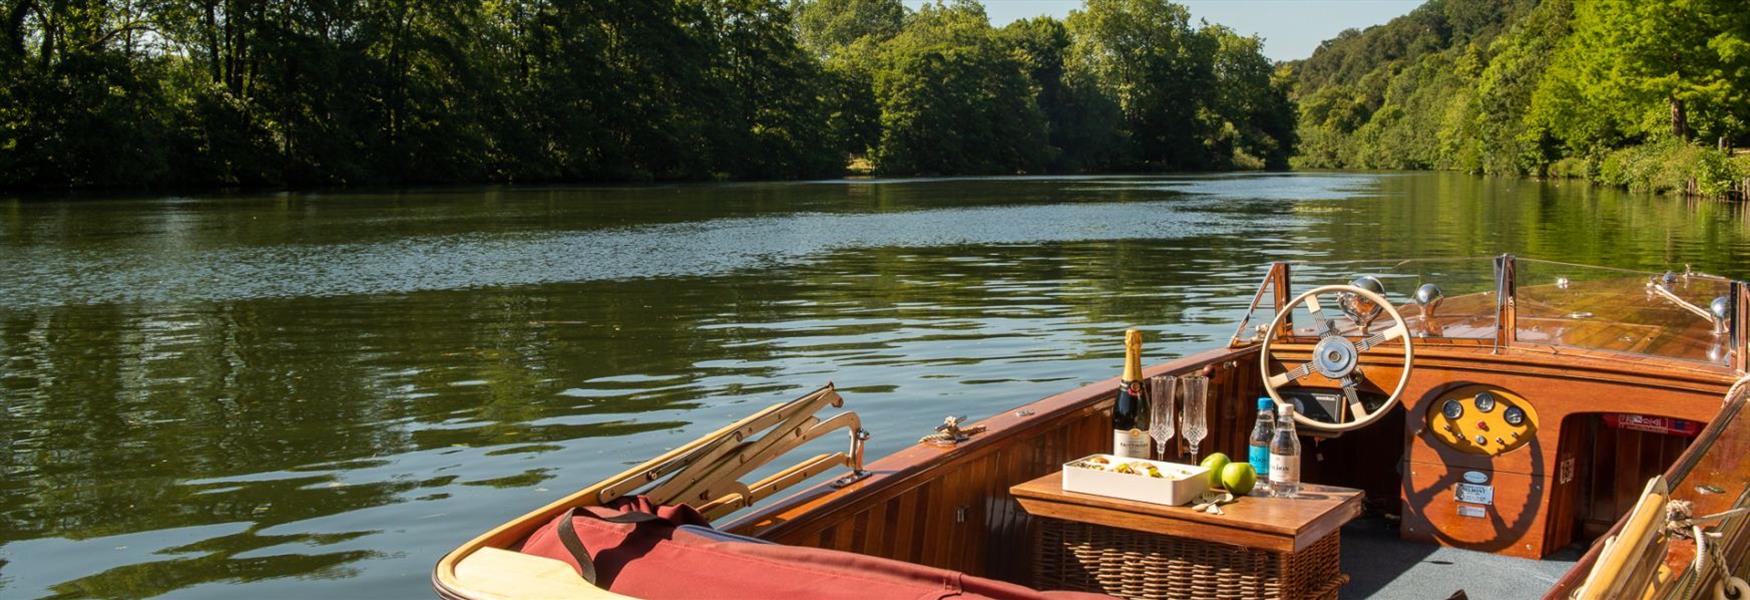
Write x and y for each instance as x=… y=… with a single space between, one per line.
x=1260 y=459
x=1284 y=468
x=1130 y=444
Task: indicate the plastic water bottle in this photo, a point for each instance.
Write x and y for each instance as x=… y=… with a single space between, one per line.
x=1285 y=455
x=1262 y=432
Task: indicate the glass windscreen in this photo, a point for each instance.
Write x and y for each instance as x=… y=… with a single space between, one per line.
x=1618 y=310
x=1669 y=314
x=1462 y=308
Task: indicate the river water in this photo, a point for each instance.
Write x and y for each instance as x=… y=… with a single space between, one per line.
x=318 y=395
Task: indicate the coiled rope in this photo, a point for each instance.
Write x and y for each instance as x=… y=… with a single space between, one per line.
x=1682 y=524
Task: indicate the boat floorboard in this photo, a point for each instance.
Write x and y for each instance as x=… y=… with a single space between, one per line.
x=1380 y=565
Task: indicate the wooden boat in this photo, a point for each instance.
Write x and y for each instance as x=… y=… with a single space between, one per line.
x=1627 y=439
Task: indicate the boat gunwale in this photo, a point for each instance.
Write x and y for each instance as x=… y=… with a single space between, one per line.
x=898 y=471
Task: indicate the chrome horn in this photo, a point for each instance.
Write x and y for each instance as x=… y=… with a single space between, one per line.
x=1358 y=309
x=1429 y=298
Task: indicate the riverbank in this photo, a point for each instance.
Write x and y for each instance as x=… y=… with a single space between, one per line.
x=1665 y=167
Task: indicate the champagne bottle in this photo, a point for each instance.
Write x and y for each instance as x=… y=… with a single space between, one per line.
x=1130 y=412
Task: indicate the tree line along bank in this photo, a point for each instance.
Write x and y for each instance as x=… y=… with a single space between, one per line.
x=216 y=93
x=1648 y=94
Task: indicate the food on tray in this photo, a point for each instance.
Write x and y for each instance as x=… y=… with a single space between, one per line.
x=1100 y=463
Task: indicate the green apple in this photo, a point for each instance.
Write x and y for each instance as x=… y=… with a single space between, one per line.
x=1239 y=478
x=1215 y=463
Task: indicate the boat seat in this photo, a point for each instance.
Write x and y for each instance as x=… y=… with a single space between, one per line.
x=658 y=552
x=720 y=536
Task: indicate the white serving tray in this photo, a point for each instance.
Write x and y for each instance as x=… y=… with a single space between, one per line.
x=1179 y=484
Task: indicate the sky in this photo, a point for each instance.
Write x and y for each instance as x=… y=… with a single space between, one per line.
x=1291 y=28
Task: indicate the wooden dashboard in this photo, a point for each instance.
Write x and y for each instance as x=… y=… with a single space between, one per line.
x=1588 y=430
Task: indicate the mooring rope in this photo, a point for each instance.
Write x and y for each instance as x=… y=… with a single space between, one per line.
x=1681 y=523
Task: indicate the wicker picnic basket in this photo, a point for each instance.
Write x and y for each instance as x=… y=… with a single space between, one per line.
x=1133 y=564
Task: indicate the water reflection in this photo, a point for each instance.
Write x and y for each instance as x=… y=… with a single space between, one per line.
x=296 y=395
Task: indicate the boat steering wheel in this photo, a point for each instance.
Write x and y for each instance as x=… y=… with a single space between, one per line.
x=1336 y=357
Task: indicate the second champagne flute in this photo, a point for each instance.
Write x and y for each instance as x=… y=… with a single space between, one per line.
x=1163 y=390
x=1195 y=389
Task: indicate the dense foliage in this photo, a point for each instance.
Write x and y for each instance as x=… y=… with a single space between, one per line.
x=1641 y=93
x=237 y=92
x=221 y=92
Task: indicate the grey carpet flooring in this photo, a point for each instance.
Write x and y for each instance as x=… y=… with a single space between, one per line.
x=1382 y=566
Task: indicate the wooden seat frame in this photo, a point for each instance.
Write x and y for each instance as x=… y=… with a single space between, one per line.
x=705 y=473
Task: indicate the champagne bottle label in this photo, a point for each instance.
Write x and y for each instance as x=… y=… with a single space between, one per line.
x=1284 y=468
x=1130 y=444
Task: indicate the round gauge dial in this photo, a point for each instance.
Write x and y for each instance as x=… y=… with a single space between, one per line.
x=1452 y=409
x=1514 y=416
x=1485 y=402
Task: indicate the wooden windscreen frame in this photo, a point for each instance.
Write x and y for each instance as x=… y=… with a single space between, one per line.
x=1506 y=293
x=1277 y=281
x=1740 y=296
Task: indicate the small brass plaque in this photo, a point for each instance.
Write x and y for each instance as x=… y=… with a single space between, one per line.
x=1476 y=494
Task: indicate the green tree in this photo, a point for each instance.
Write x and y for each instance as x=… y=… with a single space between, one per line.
x=846 y=35
x=1256 y=117
x=1689 y=55
x=1502 y=141
x=827 y=27
x=81 y=102
x=1084 y=127
x=777 y=119
x=954 y=99
x=1145 y=54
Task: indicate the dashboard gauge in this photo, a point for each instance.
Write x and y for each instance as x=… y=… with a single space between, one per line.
x=1485 y=402
x=1514 y=416
x=1452 y=409
x=1481 y=419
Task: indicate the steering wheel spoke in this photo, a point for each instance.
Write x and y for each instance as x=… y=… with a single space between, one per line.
x=1284 y=378
x=1356 y=408
x=1396 y=331
x=1322 y=327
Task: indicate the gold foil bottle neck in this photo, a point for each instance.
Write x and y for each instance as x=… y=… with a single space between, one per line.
x=1132 y=355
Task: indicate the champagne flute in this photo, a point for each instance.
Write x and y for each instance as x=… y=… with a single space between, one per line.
x=1162 y=393
x=1196 y=390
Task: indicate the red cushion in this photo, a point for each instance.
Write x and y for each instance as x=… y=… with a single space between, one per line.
x=655 y=561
